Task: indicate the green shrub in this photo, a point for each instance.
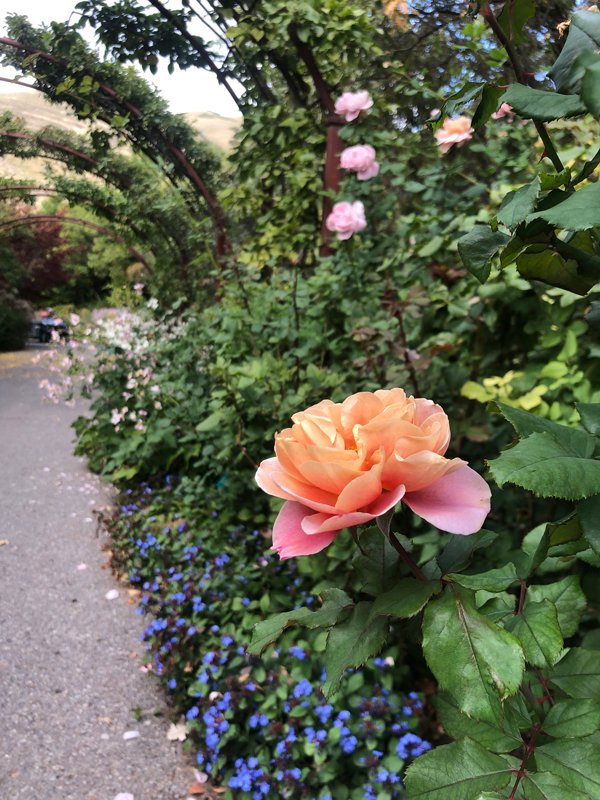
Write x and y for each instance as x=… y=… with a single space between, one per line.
x=14 y=323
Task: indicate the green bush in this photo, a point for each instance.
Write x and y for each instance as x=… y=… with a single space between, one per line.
x=14 y=323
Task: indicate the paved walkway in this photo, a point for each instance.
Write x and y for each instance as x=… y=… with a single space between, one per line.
x=69 y=657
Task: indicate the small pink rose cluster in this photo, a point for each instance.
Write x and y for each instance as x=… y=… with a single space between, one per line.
x=360 y=159
x=348 y=218
x=350 y=104
x=505 y=111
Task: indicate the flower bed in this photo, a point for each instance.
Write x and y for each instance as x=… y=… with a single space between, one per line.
x=260 y=727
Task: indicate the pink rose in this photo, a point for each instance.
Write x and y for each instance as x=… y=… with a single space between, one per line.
x=361 y=159
x=505 y=110
x=350 y=104
x=454 y=131
x=346 y=219
x=344 y=464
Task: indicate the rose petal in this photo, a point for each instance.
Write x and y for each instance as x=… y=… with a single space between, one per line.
x=458 y=502
x=288 y=537
x=320 y=523
x=386 y=501
x=361 y=491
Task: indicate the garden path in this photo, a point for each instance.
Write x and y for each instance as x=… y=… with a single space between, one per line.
x=69 y=657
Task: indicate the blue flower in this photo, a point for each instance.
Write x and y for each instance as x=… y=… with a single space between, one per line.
x=411 y=746
x=302 y=689
x=258 y=720
x=192 y=713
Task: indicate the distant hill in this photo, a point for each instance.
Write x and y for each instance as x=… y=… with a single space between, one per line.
x=38 y=113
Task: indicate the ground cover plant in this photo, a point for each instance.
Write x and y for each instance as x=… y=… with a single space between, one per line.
x=260 y=726
x=453 y=264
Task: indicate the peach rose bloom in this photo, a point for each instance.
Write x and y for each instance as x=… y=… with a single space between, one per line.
x=344 y=464
x=454 y=131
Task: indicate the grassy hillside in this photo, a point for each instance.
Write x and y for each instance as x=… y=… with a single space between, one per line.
x=38 y=113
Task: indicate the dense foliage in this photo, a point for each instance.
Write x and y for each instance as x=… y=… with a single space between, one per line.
x=464 y=271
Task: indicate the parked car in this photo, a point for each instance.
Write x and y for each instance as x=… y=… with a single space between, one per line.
x=47 y=327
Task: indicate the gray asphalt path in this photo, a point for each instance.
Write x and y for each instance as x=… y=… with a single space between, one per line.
x=69 y=658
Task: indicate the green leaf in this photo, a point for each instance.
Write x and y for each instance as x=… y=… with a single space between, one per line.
x=584 y=34
x=406 y=599
x=554 y=180
x=432 y=246
x=564 y=530
x=489 y=796
x=578 y=674
x=513 y=17
x=456 y=555
x=475 y=660
x=478 y=247
x=589 y=519
x=517 y=205
x=576 y=762
x=548 y=468
x=268 y=631
x=376 y=563
x=546 y=786
x=526 y=423
x=456 y=772
x=212 y=422
x=590 y=84
x=457 y=101
x=533 y=552
x=568 y=599
x=538 y=262
x=540 y=105
x=488 y=104
x=494 y=580
x=351 y=643
x=590 y=417
x=496 y=606
x=536 y=627
x=572 y=718
x=498 y=738
x=580 y=210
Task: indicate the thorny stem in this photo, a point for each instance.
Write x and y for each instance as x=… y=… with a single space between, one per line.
x=490 y=18
x=529 y=749
x=412 y=565
x=396 y=312
x=354 y=534
x=522 y=594
x=544 y=683
x=526 y=690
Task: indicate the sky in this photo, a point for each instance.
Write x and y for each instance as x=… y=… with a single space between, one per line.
x=189 y=90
